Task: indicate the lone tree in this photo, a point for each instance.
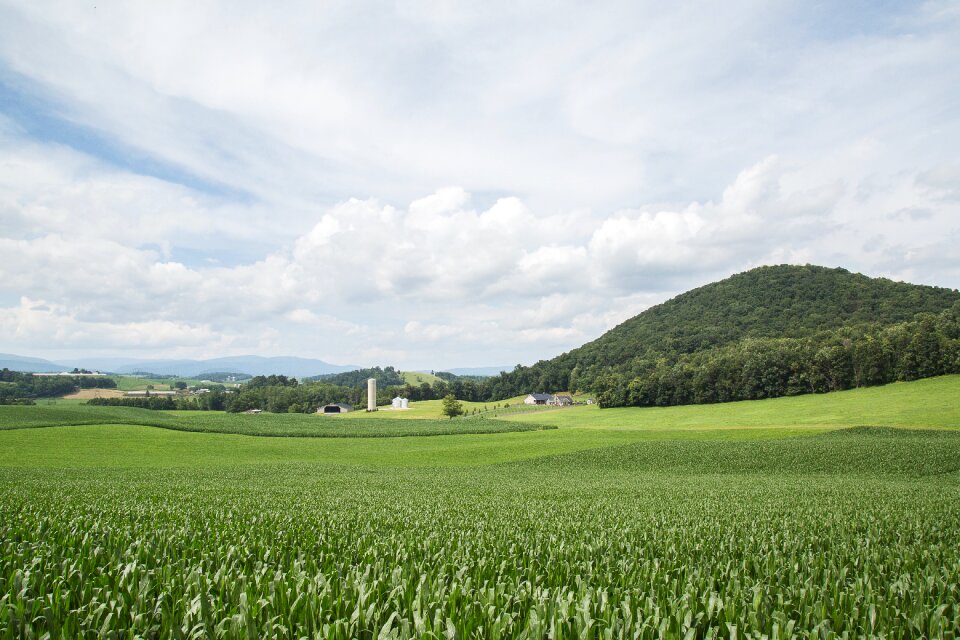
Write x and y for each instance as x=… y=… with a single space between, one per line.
x=452 y=406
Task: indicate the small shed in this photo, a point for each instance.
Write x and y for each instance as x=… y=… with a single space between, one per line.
x=338 y=407
x=537 y=398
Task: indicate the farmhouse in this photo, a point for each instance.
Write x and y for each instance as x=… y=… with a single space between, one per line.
x=560 y=401
x=537 y=398
x=338 y=407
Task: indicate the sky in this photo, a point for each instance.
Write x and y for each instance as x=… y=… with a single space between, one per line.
x=443 y=184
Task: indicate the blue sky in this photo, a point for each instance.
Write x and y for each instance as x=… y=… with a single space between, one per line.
x=440 y=184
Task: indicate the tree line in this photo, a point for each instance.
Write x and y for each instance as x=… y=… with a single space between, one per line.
x=24 y=388
x=756 y=368
x=385 y=377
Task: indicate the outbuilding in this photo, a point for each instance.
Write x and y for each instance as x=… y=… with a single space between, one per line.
x=537 y=398
x=338 y=407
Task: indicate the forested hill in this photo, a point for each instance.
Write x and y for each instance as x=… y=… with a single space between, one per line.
x=782 y=301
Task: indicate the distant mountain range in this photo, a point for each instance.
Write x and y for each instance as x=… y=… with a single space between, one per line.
x=252 y=365
x=23 y=363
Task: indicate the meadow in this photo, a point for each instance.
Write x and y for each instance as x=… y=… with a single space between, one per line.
x=418 y=377
x=636 y=524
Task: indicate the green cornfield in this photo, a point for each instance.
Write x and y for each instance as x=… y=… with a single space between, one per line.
x=848 y=533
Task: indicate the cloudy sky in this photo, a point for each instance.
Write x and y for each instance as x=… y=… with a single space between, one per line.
x=440 y=184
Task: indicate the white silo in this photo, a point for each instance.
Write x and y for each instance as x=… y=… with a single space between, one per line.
x=371 y=394
x=404 y=403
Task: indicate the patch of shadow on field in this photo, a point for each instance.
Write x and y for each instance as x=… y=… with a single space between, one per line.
x=856 y=451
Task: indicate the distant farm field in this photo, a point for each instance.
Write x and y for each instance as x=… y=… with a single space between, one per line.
x=773 y=519
x=89 y=394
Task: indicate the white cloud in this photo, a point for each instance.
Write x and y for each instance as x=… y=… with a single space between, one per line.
x=255 y=177
x=34 y=323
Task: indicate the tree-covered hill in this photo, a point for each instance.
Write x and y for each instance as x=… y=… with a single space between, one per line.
x=808 y=303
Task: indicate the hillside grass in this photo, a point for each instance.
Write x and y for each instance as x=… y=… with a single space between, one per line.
x=418 y=377
x=419 y=410
x=933 y=402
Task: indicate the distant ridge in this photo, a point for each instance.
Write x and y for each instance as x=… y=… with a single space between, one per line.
x=252 y=365
x=24 y=363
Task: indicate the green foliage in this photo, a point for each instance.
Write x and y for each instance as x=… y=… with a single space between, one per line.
x=156 y=403
x=16 y=387
x=849 y=534
x=757 y=368
x=386 y=376
x=451 y=406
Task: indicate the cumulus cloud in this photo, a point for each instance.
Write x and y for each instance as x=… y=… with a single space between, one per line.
x=369 y=276
x=260 y=178
x=34 y=323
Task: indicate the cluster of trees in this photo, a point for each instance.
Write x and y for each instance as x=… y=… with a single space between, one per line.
x=756 y=368
x=386 y=377
x=19 y=388
x=217 y=400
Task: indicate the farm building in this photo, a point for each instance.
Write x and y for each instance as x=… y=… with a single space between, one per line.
x=400 y=403
x=560 y=401
x=537 y=398
x=253 y=412
x=151 y=394
x=338 y=407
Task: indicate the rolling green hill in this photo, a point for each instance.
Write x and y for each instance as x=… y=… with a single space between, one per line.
x=806 y=308
x=418 y=377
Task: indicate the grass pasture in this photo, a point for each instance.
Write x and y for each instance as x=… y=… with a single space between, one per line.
x=418 y=377
x=934 y=402
x=421 y=409
x=611 y=526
